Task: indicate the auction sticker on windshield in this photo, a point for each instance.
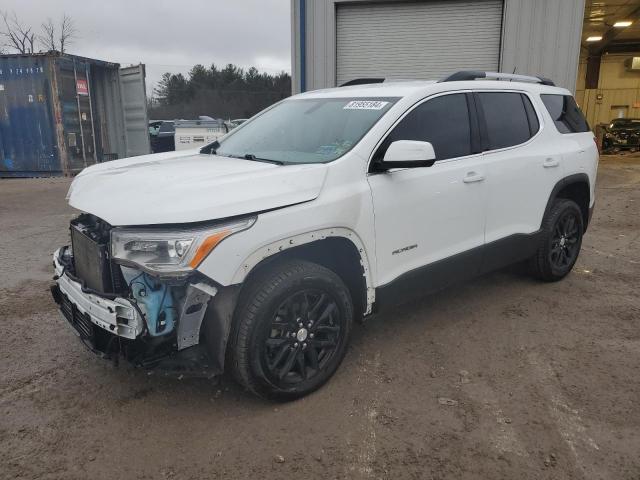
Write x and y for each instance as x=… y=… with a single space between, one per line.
x=365 y=105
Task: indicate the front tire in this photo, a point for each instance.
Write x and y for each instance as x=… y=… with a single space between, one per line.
x=293 y=324
x=562 y=227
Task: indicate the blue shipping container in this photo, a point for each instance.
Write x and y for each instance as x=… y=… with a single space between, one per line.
x=60 y=113
x=28 y=143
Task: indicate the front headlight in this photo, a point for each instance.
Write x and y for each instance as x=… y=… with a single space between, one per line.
x=170 y=250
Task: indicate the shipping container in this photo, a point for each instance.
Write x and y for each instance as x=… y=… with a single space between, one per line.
x=60 y=113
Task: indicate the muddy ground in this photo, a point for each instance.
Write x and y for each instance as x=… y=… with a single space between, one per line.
x=503 y=377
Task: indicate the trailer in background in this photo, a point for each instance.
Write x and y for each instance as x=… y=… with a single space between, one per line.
x=198 y=133
x=60 y=113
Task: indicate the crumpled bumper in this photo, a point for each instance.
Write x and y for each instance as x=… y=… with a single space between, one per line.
x=113 y=327
x=118 y=316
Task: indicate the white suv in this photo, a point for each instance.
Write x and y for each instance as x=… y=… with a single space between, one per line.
x=259 y=251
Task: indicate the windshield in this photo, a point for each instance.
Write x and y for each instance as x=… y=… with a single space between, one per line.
x=305 y=131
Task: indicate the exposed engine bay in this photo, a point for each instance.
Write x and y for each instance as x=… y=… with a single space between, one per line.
x=121 y=311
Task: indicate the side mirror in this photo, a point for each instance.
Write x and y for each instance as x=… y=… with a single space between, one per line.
x=408 y=154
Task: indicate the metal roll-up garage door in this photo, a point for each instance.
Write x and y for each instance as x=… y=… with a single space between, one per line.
x=425 y=40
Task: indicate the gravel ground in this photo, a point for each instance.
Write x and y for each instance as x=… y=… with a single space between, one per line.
x=503 y=377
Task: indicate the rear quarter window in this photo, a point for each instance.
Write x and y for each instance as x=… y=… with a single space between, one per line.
x=509 y=118
x=566 y=114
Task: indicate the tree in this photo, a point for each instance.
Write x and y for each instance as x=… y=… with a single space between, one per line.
x=199 y=77
x=48 y=38
x=67 y=32
x=172 y=89
x=53 y=38
x=22 y=38
x=16 y=35
x=231 y=75
x=228 y=93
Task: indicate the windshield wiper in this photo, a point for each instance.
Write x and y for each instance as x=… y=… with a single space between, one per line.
x=251 y=156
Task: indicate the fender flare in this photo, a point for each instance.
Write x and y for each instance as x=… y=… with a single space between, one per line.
x=563 y=182
x=287 y=243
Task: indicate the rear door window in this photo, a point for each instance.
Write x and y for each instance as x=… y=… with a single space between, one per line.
x=507 y=121
x=443 y=121
x=565 y=113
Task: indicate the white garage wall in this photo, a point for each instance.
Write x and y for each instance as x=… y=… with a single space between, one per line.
x=538 y=37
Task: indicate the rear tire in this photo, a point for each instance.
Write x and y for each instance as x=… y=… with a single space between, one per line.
x=562 y=227
x=293 y=324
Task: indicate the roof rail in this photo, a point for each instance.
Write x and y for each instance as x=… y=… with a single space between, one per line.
x=473 y=75
x=362 y=81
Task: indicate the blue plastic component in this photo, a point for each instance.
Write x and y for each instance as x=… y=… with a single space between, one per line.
x=157 y=300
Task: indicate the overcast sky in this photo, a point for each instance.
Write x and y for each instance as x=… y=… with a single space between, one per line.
x=173 y=35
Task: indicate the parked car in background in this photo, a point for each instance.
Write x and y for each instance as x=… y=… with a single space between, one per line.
x=256 y=253
x=622 y=134
x=162 y=136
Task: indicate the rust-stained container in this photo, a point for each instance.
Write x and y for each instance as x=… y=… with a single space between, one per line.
x=60 y=113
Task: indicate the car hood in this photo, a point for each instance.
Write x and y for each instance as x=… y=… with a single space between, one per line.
x=184 y=187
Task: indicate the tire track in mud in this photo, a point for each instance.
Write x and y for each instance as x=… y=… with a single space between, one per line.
x=504 y=438
x=23 y=383
x=363 y=449
x=567 y=419
x=27 y=298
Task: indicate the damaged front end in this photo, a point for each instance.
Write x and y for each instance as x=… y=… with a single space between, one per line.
x=136 y=295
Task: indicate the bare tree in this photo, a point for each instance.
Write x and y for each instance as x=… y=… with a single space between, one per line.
x=52 y=38
x=48 y=36
x=16 y=35
x=68 y=32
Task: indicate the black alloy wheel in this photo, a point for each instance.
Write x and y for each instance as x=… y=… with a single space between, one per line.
x=565 y=240
x=304 y=335
x=561 y=240
x=291 y=329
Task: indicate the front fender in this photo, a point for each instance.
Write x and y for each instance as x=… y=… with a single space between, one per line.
x=287 y=243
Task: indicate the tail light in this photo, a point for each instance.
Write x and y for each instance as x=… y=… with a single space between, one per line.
x=598 y=145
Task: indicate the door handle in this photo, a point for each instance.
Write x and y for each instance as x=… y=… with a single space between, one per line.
x=472 y=177
x=551 y=162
